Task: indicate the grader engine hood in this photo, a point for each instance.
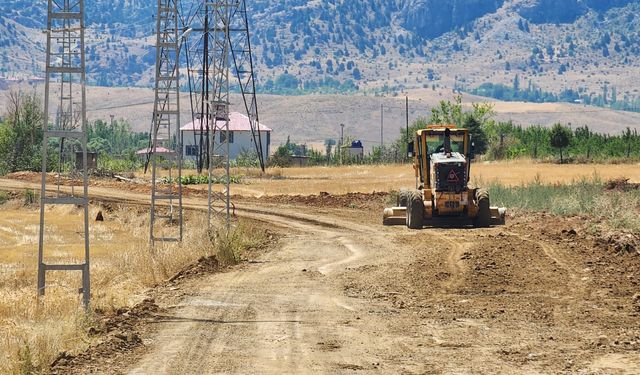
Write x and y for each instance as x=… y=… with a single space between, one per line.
x=449 y=172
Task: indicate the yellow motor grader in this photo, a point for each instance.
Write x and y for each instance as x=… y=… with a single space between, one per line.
x=442 y=162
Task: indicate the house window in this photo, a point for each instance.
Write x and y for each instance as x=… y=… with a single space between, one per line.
x=191 y=150
x=223 y=136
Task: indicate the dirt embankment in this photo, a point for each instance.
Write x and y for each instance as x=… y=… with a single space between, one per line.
x=372 y=201
x=375 y=200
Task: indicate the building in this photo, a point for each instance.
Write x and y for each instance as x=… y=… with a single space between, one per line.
x=356 y=150
x=240 y=137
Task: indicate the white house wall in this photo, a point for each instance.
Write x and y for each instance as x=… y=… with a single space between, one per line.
x=242 y=141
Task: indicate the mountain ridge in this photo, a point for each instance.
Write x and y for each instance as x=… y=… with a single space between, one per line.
x=303 y=46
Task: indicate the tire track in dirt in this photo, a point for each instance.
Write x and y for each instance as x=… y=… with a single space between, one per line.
x=563 y=261
x=453 y=258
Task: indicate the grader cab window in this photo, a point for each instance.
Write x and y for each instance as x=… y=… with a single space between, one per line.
x=435 y=143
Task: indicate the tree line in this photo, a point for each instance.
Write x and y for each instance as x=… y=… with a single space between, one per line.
x=22 y=133
x=494 y=140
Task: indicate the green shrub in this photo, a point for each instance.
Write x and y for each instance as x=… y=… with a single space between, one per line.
x=30 y=197
x=4 y=197
x=203 y=179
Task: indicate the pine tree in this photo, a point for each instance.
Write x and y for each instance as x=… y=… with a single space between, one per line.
x=560 y=139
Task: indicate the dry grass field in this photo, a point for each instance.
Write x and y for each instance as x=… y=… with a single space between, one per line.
x=368 y=178
x=123 y=266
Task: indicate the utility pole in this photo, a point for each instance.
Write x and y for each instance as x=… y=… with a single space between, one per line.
x=381 y=125
x=341 y=141
x=113 y=134
x=407 y=115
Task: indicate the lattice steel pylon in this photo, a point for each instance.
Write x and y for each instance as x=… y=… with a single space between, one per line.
x=240 y=43
x=219 y=47
x=165 y=145
x=65 y=81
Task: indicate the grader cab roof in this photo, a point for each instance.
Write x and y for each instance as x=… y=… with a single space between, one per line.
x=437 y=129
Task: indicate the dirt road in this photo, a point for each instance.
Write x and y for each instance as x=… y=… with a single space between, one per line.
x=342 y=294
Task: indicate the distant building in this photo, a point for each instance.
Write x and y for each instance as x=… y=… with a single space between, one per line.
x=240 y=137
x=356 y=150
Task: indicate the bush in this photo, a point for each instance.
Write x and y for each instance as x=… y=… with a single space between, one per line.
x=203 y=179
x=4 y=197
x=30 y=197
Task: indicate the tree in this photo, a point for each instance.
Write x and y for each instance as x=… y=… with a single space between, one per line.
x=21 y=134
x=628 y=137
x=356 y=74
x=447 y=112
x=403 y=141
x=282 y=157
x=329 y=143
x=537 y=133
x=478 y=136
x=560 y=138
x=475 y=120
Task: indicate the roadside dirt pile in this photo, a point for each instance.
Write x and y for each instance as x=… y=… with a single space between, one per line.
x=373 y=200
x=205 y=265
x=621 y=184
x=119 y=332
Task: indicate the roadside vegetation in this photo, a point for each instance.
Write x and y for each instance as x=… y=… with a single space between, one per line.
x=34 y=334
x=614 y=204
x=21 y=135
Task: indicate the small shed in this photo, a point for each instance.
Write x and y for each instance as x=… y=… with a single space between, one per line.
x=300 y=161
x=92 y=160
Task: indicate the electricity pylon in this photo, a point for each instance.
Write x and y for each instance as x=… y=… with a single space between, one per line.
x=65 y=91
x=218 y=48
x=165 y=146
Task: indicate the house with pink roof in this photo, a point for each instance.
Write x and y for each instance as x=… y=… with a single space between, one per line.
x=240 y=137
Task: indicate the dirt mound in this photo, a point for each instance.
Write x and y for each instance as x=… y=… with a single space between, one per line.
x=120 y=332
x=350 y=200
x=205 y=265
x=620 y=242
x=621 y=184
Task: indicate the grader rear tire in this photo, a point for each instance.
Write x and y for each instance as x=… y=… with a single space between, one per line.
x=415 y=211
x=483 y=220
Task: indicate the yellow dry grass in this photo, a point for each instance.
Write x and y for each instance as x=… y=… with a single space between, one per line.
x=122 y=267
x=368 y=178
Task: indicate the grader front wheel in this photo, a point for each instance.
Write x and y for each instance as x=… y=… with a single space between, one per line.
x=483 y=220
x=415 y=211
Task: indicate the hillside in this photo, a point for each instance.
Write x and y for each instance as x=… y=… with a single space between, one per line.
x=303 y=46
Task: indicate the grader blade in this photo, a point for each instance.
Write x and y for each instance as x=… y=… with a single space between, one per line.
x=395 y=216
x=498 y=215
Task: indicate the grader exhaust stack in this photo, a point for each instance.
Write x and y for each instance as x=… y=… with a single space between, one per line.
x=442 y=163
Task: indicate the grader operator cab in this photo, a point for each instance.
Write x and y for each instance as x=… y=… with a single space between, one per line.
x=442 y=162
